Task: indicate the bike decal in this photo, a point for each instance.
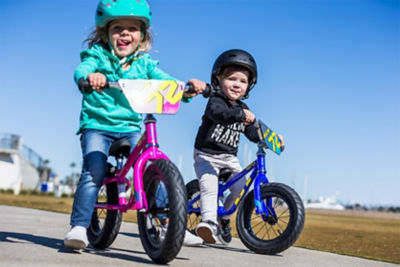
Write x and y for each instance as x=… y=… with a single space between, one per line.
x=248 y=182
x=239 y=197
x=167 y=101
x=250 y=166
x=271 y=138
x=244 y=190
x=258 y=205
x=153 y=96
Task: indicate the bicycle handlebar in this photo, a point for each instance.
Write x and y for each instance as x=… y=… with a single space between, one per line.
x=190 y=90
x=84 y=85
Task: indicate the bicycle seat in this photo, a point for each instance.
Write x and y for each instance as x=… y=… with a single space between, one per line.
x=122 y=146
x=224 y=174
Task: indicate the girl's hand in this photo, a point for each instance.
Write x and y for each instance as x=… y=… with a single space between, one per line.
x=97 y=80
x=199 y=87
x=249 y=117
x=282 y=142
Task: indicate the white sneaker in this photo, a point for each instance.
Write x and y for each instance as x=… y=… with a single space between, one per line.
x=192 y=240
x=163 y=231
x=207 y=231
x=76 y=238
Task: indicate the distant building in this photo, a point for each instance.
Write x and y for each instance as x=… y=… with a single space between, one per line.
x=19 y=165
x=324 y=203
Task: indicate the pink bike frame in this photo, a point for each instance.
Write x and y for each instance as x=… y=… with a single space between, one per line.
x=145 y=150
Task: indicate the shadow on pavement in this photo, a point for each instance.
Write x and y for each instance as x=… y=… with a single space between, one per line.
x=109 y=253
x=129 y=234
x=28 y=238
x=227 y=248
x=58 y=244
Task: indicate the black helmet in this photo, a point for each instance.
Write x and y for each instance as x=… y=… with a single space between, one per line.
x=235 y=57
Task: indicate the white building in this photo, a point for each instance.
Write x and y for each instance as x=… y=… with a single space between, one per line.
x=18 y=164
x=328 y=203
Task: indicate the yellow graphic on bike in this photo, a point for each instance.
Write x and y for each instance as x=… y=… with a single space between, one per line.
x=167 y=97
x=153 y=96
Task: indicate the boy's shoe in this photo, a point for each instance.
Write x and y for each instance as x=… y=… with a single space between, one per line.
x=207 y=231
x=225 y=236
x=76 y=238
x=163 y=231
x=192 y=240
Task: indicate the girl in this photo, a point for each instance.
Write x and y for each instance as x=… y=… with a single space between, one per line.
x=117 y=49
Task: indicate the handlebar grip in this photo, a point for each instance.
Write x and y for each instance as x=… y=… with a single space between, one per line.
x=207 y=92
x=189 y=89
x=84 y=86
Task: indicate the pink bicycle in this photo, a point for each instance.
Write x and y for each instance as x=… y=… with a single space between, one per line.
x=157 y=191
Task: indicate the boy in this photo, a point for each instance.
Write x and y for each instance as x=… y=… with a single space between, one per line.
x=234 y=74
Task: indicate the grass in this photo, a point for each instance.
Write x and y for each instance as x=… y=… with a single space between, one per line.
x=367 y=235
x=355 y=235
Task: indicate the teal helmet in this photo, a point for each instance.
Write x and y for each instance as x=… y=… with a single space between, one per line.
x=109 y=10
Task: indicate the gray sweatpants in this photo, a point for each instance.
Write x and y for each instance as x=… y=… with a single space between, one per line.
x=207 y=167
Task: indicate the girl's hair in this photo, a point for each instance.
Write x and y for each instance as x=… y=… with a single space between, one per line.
x=99 y=36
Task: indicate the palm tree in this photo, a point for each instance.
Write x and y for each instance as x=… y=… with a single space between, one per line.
x=73 y=176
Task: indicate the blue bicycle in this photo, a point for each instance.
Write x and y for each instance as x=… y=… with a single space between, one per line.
x=270 y=217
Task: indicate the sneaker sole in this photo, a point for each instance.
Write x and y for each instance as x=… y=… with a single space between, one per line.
x=223 y=242
x=74 y=244
x=206 y=234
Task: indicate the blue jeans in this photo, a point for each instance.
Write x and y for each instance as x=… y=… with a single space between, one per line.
x=95 y=147
x=161 y=200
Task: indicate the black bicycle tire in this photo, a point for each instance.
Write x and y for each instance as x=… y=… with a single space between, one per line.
x=288 y=237
x=193 y=188
x=112 y=222
x=176 y=191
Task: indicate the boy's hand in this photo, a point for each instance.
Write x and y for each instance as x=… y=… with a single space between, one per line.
x=248 y=117
x=97 y=81
x=199 y=87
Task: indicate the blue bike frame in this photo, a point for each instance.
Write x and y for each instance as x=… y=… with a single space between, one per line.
x=258 y=176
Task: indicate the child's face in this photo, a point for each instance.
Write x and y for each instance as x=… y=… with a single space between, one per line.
x=234 y=84
x=125 y=36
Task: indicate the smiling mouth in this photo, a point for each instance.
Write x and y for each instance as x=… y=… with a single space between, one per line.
x=123 y=43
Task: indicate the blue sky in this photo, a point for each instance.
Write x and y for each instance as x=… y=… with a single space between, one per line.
x=329 y=82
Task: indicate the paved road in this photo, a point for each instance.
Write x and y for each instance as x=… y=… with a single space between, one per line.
x=35 y=238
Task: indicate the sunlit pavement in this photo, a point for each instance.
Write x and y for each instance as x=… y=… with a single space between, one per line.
x=35 y=238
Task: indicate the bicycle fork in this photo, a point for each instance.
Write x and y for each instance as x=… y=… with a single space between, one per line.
x=262 y=208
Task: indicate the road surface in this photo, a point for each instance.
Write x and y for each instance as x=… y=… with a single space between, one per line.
x=31 y=237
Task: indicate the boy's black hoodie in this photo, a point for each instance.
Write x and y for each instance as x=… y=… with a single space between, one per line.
x=222 y=124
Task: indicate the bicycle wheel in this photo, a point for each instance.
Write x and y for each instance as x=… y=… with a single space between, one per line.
x=105 y=224
x=166 y=199
x=193 y=190
x=278 y=232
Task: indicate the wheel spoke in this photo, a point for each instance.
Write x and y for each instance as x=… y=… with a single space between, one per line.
x=279 y=226
x=261 y=228
x=269 y=230
x=256 y=217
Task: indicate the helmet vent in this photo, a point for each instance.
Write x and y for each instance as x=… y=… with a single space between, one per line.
x=99 y=13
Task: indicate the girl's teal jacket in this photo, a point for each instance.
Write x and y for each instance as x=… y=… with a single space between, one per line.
x=110 y=110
